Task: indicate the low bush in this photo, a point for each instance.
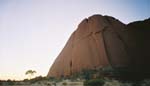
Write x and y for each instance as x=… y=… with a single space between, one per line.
x=64 y=83
x=10 y=82
x=94 y=82
x=145 y=83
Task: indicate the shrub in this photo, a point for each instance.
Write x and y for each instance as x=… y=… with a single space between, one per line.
x=64 y=83
x=114 y=83
x=10 y=82
x=145 y=83
x=1 y=82
x=94 y=82
x=36 y=79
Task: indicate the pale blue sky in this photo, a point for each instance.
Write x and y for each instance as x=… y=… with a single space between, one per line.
x=33 y=32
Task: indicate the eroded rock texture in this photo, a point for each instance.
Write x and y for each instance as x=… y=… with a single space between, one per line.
x=101 y=41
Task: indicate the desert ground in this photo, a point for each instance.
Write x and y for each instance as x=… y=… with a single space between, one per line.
x=49 y=83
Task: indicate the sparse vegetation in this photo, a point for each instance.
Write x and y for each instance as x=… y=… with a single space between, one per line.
x=93 y=77
x=64 y=83
x=36 y=79
x=10 y=82
x=145 y=83
x=44 y=81
x=94 y=82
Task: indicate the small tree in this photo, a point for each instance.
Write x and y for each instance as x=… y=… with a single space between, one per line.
x=30 y=73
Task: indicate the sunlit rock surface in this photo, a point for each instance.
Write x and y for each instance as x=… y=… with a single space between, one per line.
x=102 y=41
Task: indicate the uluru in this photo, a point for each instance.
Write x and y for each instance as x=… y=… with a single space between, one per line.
x=102 y=41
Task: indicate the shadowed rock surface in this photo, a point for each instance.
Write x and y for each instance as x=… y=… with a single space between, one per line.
x=102 y=41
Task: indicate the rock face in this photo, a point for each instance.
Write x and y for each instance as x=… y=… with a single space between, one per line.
x=102 y=41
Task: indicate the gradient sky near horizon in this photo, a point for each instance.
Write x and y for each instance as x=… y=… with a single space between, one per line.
x=33 y=32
